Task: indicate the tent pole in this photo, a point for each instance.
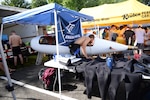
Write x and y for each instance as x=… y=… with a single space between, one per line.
x=57 y=51
x=37 y=30
x=10 y=85
x=81 y=27
x=98 y=31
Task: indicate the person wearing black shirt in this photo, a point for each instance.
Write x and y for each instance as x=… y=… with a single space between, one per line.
x=129 y=34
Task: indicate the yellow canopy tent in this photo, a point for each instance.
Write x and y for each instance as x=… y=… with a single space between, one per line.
x=127 y=12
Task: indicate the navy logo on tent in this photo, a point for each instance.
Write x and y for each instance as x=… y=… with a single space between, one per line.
x=70 y=31
x=70 y=27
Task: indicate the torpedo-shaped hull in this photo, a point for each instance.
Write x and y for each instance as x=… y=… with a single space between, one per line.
x=100 y=46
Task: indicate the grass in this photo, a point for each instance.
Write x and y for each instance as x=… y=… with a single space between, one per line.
x=31 y=61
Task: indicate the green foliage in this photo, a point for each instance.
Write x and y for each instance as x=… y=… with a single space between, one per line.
x=110 y=1
x=146 y=2
x=17 y=3
x=37 y=3
x=91 y=3
x=79 y=4
x=75 y=5
x=55 y=1
x=71 y=4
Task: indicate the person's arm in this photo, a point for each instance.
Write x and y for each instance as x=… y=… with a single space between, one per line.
x=149 y=35
x=83 y=47
x=10 y=43
x=10 y=40
x=90 y=43
x=123 y=35
x=133 y=36
x=135 y=40
x=20 y=41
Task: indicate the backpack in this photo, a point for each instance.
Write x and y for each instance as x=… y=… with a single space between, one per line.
x=40 y=73
x=47 y=76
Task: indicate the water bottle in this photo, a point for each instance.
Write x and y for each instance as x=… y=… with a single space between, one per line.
x=54 y=57
x=109 y=62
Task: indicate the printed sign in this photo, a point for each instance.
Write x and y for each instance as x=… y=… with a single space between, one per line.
x=69 y=31
x=132 y=15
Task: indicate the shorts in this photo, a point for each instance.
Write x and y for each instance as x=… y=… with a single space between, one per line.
x=140 y=45
x=16 y=51
x=75 y=49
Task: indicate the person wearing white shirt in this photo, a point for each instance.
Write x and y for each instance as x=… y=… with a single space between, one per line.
x=139 y=34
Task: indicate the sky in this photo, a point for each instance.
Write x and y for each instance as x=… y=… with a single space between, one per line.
x=28 y=1
x=1 y=1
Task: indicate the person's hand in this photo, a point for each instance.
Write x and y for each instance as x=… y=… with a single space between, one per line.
x=10 y=47
x=89 y=58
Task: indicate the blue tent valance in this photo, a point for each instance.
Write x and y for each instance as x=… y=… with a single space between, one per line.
x=44 y=15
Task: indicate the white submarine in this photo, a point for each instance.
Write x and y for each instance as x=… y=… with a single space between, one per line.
x=46 y=44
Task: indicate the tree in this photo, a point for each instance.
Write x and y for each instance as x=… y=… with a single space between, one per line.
x=146 y=2
x=76 y=5
x=79 y=4
x=55 y=1
x=109 y=1
x=37 y=3
x=91 y=3
x=17 y=3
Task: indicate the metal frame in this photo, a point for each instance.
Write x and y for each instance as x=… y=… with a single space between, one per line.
x=5 y=64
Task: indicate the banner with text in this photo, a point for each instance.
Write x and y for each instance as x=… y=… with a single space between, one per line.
x=69 y=31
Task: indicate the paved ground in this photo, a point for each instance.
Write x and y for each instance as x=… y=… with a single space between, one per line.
x=29 y=75
x=22 y=93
